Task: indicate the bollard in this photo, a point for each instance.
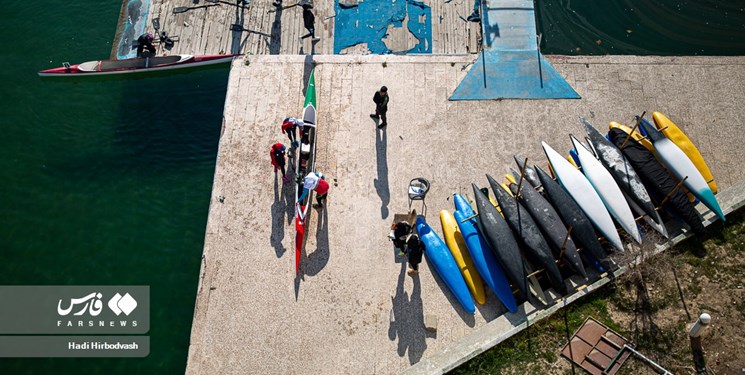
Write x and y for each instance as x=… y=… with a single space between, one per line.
x=700 y=325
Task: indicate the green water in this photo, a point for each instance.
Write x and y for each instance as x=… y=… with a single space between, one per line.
x=642 y=27
x=103 y=181
x=108 y=181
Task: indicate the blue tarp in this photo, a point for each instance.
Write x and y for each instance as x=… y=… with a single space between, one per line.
x=368 y=21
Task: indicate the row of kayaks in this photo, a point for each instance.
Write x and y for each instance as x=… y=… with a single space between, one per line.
x=538 y=222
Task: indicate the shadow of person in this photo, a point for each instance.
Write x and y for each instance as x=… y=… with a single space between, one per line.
x=407 y=319
x=319 y=258
x=275 y=41
x=278 y=211
x=237 y=39
x=491 y=30
x=381 y=182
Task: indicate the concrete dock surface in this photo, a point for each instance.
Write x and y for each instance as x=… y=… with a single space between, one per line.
x=354 y=310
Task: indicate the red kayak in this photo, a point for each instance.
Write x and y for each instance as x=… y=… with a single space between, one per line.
x=137 y=64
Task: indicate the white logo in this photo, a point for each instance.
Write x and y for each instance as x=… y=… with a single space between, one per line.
x=125 y=304
x=94 y=308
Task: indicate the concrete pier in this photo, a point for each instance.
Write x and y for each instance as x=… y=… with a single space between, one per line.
x=206 y=27
x=355 y=311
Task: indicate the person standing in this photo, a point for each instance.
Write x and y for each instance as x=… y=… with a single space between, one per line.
x=277 y=154
x=317 y=182
x=399 y=234
x=414 y=251
x=289 y=125
x=145 y=41
x=309 y=21
x=381 y=106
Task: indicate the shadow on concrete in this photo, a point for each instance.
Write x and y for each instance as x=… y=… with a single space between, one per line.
x=318 y=259
x=275 y=41
x=491 y=310
x=237 y=40
x=381 y=182
x=407 y=320
x=308 y=66
x=465 y=316
x=278 y=212
x=490 y=30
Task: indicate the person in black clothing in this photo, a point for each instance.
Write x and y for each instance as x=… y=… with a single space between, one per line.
x=401 y=231
x=414 y=251
x=381 y=106
x=145 y=41
x=309 y=21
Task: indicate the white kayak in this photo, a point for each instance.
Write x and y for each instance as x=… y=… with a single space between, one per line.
x=577 y=185
x=607 y=189
x=681 y=166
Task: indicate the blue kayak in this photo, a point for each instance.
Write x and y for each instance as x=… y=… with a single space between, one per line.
x=439 y=256
x=482 y=255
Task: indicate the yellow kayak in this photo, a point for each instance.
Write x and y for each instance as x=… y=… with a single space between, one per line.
x=457 y=246
x=673 y=133
x=636 y=135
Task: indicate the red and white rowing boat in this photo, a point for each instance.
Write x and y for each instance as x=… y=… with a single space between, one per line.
x=134 y=65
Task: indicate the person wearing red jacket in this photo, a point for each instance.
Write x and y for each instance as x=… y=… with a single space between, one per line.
x=288 y=126
x=277 y=155
x=317 y=182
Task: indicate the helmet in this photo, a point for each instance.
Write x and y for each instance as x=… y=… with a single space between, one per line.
x=150 y=37
x=283 y=148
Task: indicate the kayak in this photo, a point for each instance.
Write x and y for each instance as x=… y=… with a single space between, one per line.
x=554 y=230
x=483 y=258
x=523 y=226
x=529 y=172
x=657 y=179
x=442 y=261
x=673 y=132
x=571 y=214
x=584 y=194
x=624 y=174
x=607 y=189
x=305 y=158
x=635 y=135
x=134 y=65
x=457 y=245
x=681 y=166
x=501 y=240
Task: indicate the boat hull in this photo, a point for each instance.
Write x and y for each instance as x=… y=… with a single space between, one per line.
x=185 y=62
x=681 y=166
x=584 y=195
x=483 y=258
x=457 y=245
x=443 y=263
x=606 y=187
x=524 y=227
x=677 y=136
x=501 y=240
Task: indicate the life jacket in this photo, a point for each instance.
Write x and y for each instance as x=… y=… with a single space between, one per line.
x=322 y=187
x=276 y=154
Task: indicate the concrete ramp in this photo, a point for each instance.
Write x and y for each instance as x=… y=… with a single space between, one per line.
x=510 y=65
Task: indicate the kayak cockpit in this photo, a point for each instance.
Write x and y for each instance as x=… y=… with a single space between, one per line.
x=136 y=63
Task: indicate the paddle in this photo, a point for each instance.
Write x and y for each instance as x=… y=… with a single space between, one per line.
x=178 y=10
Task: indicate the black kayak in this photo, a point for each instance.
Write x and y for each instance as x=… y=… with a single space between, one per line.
x=657 y=180
x=623 y=172
x=530 y=174
x=571 y=214
x=502 y=242
x=554 y=230
x=525 y=228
